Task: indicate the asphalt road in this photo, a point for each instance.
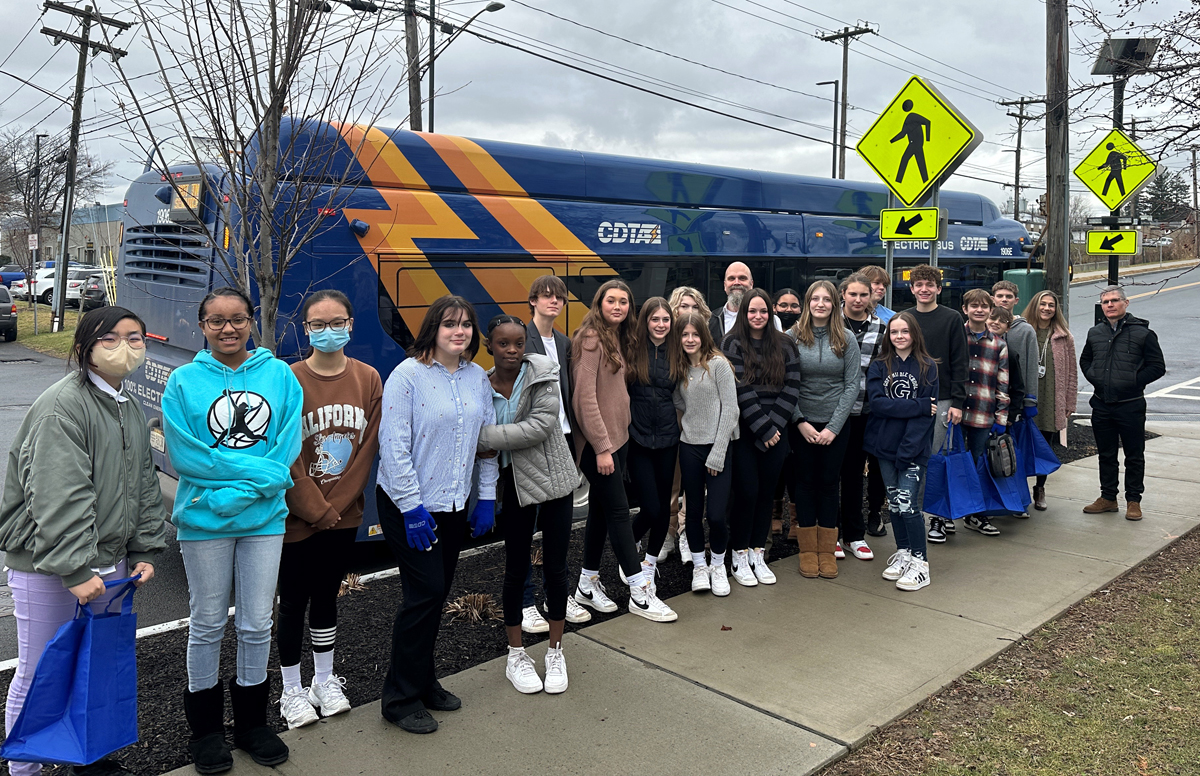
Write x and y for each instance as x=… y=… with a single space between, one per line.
x=1169 y=300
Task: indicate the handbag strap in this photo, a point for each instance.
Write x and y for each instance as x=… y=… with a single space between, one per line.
x=125 y=596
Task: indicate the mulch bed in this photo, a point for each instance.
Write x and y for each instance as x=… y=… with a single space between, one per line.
x=364 y=629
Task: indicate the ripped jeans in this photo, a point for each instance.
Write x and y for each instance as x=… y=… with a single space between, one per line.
x=907 y=522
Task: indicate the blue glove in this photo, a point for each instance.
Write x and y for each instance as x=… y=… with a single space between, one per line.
x=483 y=517
x=1030 y=412
x=999 y=428
x=419 y=527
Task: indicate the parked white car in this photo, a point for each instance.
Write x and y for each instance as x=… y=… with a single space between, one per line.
x=43 y=286
x=77 y=281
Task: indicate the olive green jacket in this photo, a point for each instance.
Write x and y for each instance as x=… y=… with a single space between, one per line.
x=80 y=490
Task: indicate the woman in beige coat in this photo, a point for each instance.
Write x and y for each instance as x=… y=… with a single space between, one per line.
x=1057 y=376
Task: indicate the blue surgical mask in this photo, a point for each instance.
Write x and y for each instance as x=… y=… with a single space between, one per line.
x=328 y=340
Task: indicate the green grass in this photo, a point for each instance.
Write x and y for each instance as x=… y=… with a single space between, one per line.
x=54 y=344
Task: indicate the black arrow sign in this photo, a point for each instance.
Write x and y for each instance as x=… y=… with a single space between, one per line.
x=1110 y=242
x=906 y=224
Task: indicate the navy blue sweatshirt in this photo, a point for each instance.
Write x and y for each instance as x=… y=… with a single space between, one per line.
x=900 y=426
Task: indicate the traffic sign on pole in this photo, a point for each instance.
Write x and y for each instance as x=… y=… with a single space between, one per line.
x=918 y=141
x=921 y=223
x=33 y=241
x=1116 y=169
x=1120 y=242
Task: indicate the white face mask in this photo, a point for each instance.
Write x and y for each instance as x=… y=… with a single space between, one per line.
x=120 y=362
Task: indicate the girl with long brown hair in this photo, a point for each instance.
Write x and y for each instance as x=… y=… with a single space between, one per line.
x=902 y=388
x=1057 y=377
x=654 y=367
x=602 y=415
x=829 y=361
x=768 y=376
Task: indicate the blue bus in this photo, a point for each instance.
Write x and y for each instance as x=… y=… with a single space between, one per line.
x=422 y=215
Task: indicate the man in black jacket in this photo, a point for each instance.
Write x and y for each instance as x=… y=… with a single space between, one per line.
x=1120 y=359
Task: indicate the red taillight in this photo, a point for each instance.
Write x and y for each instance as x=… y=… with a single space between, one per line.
x=14 y=310
x=327 y=211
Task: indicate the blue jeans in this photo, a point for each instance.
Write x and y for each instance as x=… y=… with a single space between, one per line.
x=212 y=565
x=902 y=488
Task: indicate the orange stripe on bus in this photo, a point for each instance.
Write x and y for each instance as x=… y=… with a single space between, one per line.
x=372 y=147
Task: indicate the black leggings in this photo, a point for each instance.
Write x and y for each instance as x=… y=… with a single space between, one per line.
x=754 y=488
x=518 y=524
x=818 y=468
x=694 y=476
x=651 y=472
x=608 y=513
x=876 y=492
x=310 y=575
x=854 y=527
x=1051 y=438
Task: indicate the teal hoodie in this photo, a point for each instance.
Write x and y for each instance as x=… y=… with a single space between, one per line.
x=232 y=436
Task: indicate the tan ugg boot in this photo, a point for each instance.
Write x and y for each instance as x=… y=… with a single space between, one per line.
x=807 y=537
x=826 y=545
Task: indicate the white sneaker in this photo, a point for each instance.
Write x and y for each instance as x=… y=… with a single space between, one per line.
x=861 y=551
x=700 y=580
x=556 y=671
x=590 y=592
x=762 y=571
x=295 y=708
x=741 y=569
x=643 y=601
x=685 y=552
x=576 y=613
x=521 y=672
x=328 y=696
x=532 y=621
x=897 y=564
x=667 y=548
x=719 y=580
x=648 y=574
x=839 y=553
x=916 y=576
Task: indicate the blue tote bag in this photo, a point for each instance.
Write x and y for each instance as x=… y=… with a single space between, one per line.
x=82 y=702
x=952 y=487
x=1001 y=495
x=1035 y=457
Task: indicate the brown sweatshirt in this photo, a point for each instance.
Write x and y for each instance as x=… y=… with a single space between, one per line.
x=601 y=399
x=339 y=440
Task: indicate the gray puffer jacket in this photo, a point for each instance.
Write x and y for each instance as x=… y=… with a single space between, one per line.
x=543 y=467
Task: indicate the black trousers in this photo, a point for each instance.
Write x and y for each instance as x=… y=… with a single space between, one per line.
x=1051 y=438
x=818 y=468
x=608 y=513
x=850 y=513
x=695 y=478
x=1121 y=425
x=518 y=526
x=310 y=576
x=876 y=492
x=425 y=578
x=755 y=474
x=651 y=473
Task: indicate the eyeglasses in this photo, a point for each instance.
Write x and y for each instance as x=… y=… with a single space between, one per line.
x=111 y=341
x=216 y=324
x=318 y=326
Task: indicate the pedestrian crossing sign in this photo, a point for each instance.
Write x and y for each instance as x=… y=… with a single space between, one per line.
x=1116 y=169
x=918 y=141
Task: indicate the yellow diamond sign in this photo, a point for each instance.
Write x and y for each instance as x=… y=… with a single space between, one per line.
x=918 y=141
x=1116 y=169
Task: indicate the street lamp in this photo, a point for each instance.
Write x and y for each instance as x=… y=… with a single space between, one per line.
x=489 y=8
x=835 y=123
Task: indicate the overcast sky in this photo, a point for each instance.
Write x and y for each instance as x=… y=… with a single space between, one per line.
x=975 y=56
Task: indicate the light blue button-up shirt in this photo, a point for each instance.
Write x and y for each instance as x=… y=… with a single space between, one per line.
x=428 y=432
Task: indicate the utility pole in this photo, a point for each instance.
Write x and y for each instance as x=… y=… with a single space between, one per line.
x=1021 y=119
x=845 y=36
x=1195 y=210
x=88 y=17
x=413 y=51
x=432 y=56
x=37 y=223
x=1058 y=228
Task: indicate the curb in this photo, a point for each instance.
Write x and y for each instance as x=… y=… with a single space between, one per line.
x=1094 y=277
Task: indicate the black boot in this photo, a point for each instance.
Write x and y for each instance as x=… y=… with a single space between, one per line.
x=250 y=731
x=205 y=712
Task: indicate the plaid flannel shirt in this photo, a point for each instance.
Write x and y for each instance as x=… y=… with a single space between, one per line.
x=987 y=383
x=869 y=343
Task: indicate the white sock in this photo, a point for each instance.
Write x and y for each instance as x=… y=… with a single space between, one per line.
x=323 y=663
x=698 y=559
x=637 y=580
x=516 y=650
x=718 y=559
x=651 y=561
x=291 y=677
x=585 y=575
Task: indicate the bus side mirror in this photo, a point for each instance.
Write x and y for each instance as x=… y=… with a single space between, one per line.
x=163 y=194
x=360 y=228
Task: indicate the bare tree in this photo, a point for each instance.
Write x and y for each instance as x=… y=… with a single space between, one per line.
x=255 y=93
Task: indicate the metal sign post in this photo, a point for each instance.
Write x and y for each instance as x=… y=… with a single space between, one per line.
x=933 y=244
x=889 y=259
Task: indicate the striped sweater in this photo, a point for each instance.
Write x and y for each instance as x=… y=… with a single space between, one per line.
x=766 y=409
x=870 y=340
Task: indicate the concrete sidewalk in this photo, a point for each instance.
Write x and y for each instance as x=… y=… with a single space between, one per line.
x=780 y=679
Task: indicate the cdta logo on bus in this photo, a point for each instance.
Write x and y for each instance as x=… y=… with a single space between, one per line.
x=647 y=234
